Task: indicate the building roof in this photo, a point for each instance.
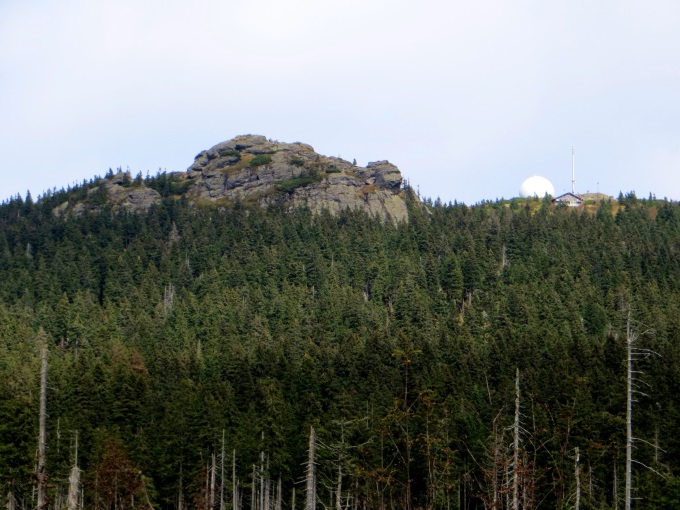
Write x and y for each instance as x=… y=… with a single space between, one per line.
x=568 y=197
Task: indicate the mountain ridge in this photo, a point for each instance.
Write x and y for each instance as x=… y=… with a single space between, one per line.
x=254 y=170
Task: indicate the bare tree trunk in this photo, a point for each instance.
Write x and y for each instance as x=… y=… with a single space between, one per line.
x=253 y=492
x=577 y=474
x=615 y=491
x=279 y=496
x=292 y=502
x=234 y=486
x=338 y=493
x=496 y=461
x=267 y=490
x=11 y=502
x=656 y=444
x=74 y=481
x=515 y=467
x=41 y=476
x=206 y=494
x=311 y=475
x=630 y=339
x=262 y=507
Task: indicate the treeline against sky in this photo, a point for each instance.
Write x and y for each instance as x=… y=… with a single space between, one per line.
x=399 y=344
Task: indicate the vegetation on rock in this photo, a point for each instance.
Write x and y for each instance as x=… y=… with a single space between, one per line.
x=304 y=179
x=260 y=160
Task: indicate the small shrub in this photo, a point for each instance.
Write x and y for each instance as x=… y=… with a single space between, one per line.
x=332 y=170
x=297 y=162
x=290 y=185
x=230 y=152
x=261 y=160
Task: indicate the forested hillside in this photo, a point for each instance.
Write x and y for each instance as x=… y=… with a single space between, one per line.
x=399 y=344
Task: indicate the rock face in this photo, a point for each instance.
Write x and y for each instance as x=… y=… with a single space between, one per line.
x=132 y=199
x=115 y=191
x=253 y=169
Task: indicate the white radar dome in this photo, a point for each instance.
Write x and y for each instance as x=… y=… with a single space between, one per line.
x=536 y=186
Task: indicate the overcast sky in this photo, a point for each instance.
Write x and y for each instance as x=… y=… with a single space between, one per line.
x=467 y=98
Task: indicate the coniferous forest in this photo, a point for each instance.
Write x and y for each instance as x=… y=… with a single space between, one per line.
x=473 y=358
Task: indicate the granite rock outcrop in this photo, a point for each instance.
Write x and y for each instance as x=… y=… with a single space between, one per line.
x=253 y=169
x=118 y=191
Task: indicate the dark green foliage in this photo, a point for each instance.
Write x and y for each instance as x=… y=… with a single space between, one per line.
x=297 y=162
x=98 y=197
x=304 y=179
x=230 y=153
x=399 y=344
x=260 y=160
x=168 y=184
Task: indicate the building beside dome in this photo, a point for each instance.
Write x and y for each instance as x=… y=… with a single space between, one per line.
x=569 y=199
x=536 y=186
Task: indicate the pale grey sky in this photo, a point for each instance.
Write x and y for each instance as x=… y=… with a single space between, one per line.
x=466 y=98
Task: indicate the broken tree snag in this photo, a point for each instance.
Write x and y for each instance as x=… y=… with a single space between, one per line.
x=74 y=480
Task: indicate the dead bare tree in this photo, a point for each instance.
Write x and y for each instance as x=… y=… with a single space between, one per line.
x=633 y=355
x=515 y=459
x=311 y=473
x=630 y=341
x=262 y=500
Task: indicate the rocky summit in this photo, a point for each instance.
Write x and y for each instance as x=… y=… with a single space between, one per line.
x=253 y=169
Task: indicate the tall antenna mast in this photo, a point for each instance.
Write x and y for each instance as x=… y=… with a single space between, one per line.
x=573 y=179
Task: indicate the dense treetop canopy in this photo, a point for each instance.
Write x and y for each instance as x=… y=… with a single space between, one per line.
x=399 y=343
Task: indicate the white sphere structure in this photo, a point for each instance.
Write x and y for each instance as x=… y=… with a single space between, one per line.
x=536 y=186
